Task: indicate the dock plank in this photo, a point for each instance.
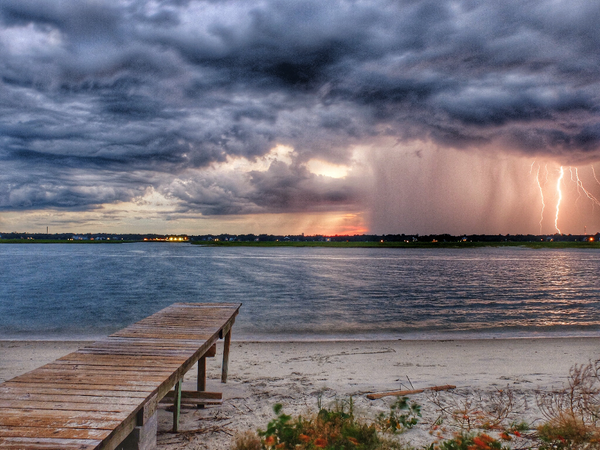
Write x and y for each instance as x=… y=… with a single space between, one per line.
x=83 y=390
x=40 y=418
x=58 y=433
x=18 y=443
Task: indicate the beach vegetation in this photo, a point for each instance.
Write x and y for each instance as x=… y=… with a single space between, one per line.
x=331 y=429
x=466 y=420
x=403 y=415
x=466 y=412
x=334 y=428
x=247 y=441
x=573 y=412
x=469 y=441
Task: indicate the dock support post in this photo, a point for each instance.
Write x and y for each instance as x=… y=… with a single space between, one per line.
x=201 y=386
x=143 y=437
x=177 y=406
x=226 y=346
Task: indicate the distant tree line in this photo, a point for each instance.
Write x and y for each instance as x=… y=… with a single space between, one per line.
x=132 y=237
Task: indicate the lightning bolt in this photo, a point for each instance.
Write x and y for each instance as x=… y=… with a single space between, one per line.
x=542 y=196
x=585 y=191
x=594 y=172
x=575 y=179
x=562 y=174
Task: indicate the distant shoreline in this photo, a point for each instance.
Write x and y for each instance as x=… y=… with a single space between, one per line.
x=61 y=241
x=324 y=244
x=395 y=244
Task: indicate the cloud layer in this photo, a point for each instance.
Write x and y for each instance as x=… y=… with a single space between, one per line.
x=100 y=101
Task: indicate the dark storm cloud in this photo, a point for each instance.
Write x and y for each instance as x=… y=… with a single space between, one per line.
x=106 y=88
x=281 y=188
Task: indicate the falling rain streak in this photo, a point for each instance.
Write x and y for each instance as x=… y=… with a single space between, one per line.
x=541 y=195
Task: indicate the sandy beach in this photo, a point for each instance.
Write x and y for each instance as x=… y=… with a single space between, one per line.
x=297 y=374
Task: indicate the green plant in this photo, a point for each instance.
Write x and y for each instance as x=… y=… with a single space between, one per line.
x=281 y=430
x=330 y=429
x=466 y=441
x=402 y=416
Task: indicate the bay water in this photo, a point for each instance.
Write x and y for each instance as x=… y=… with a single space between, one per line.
x=67 y=291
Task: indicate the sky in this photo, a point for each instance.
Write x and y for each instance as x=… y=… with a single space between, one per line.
x=289 y=117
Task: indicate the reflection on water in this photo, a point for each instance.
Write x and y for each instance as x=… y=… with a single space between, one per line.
x=90 y=290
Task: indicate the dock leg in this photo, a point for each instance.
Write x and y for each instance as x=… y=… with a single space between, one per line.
x=142 y=437
x=201 y=377
x=226 y=346
x=177 y=406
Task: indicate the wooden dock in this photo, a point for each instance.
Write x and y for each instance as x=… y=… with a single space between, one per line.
x=95 y=397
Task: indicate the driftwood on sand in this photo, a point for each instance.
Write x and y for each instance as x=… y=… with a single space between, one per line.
x=377 y=395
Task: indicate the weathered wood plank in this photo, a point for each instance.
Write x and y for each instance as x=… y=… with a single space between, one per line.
x=58 y=433
x=52 y=389
x=111 y=375
x=34 y=377
x=106 y=377
x=117 y=351
x=106 y=370
x=166 y=335
x=81 y=387
x=138 y=349
x=27 y=396
x=64 y=405
x=16 y=443
x=133 y=359
x=61 y=419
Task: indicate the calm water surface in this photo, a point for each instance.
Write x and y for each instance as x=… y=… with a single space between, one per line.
x=88 y=291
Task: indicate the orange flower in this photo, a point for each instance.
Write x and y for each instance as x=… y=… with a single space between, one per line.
x=320 y=443
x=354 y=441
x=505 y=436
x=282 y=445
x=480 y=443
x=517 y=433
x=486 y=438
x=270 y=440
x=304 y=438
